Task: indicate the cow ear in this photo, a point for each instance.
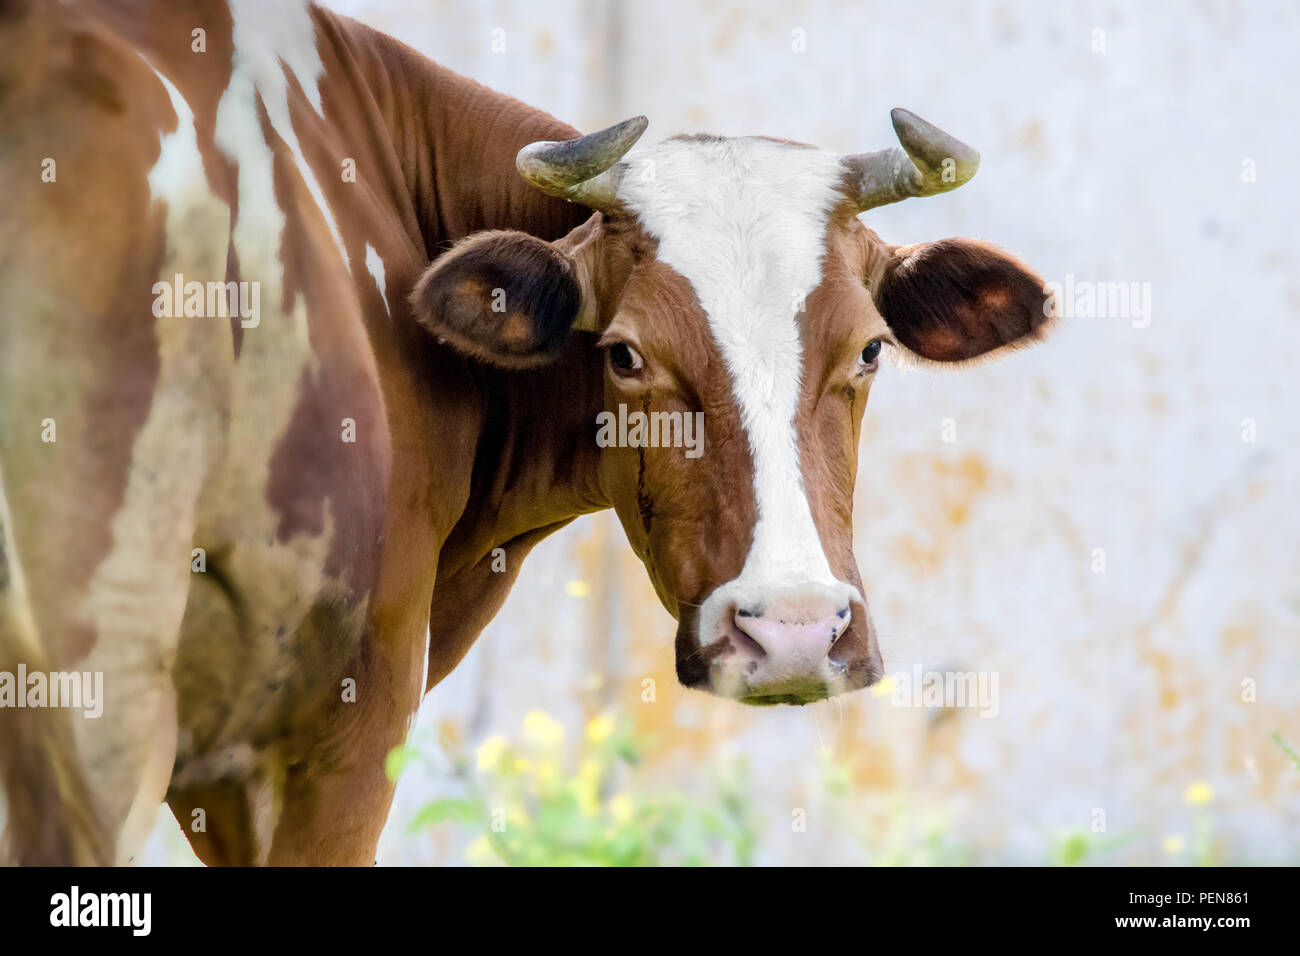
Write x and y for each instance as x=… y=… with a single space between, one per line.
x=957 y=299
x=506 y=298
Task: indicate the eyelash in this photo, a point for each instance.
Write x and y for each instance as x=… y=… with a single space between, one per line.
x=874 y=348
x=626 y=362
x=618 y=352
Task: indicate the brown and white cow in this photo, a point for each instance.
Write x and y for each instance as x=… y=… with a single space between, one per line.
x=271 y=532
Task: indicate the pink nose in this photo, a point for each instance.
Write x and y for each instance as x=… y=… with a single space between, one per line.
x=791 y=646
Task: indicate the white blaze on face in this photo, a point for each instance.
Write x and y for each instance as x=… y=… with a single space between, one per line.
x=744 y=220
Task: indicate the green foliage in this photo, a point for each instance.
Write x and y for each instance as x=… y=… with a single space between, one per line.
x=538 y=803
x=1083 y=847
x=1282 y=745
x=894 y=830
x=1073 y=848
x=541 y=801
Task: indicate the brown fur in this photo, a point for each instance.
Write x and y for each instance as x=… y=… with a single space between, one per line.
x=503 y=297
x=689 y=520
x=245 y=673
x=73 y=314
x=327 y=560
x=958 y=299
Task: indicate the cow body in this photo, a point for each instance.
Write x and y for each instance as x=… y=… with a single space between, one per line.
x=272 y=528
x=324 y=458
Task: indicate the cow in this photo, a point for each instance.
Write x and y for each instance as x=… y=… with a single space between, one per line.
x=304 y=345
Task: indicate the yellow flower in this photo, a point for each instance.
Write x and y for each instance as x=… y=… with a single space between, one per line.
x=621 y=808
x=480 y=853
x=517 y=814
x=547 y=773
x=884 y=688
x=577 y=588
x=542 y=729
x=587 y=787
x=1199 y=793
x=490 y=752
x=1173 y=845
x=600 y=728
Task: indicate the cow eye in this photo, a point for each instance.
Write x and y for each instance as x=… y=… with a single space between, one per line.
x=871 y=354
x=624 y=359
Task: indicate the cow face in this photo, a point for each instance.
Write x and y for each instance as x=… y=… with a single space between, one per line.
x=741 y=311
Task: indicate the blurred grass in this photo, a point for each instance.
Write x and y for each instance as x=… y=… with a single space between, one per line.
x=540 y=801
x=535 y=802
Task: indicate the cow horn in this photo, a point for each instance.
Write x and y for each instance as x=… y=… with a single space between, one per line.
x=582 y=170
x=929 y=162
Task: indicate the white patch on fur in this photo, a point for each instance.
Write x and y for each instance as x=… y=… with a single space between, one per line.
x=375 y=266
x=137 y=595
x=264 y=810
x=277 y=579
x=745 y=221
x=22 y=622
x=424 y=682
x=269 y=39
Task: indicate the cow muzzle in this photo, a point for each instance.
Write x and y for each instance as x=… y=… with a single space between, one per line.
x=791 y=645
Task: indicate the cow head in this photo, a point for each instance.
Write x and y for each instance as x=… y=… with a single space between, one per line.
x=730 y=282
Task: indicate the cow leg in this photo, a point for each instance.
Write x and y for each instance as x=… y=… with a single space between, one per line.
x=108 y=422
x=110 y=756
x=134 y=603
x=334 y=801
x=228 y=837
x=52 y=818
x=334 y=809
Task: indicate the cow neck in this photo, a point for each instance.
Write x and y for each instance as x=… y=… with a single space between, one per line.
x=455 y=141
x=536 y=461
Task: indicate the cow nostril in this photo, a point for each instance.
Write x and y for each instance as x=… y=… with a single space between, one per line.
x=787 y=637
x=743 y=640
x=837 y=630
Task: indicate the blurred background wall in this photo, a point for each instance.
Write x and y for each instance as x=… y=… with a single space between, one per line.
x=1107 y=522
